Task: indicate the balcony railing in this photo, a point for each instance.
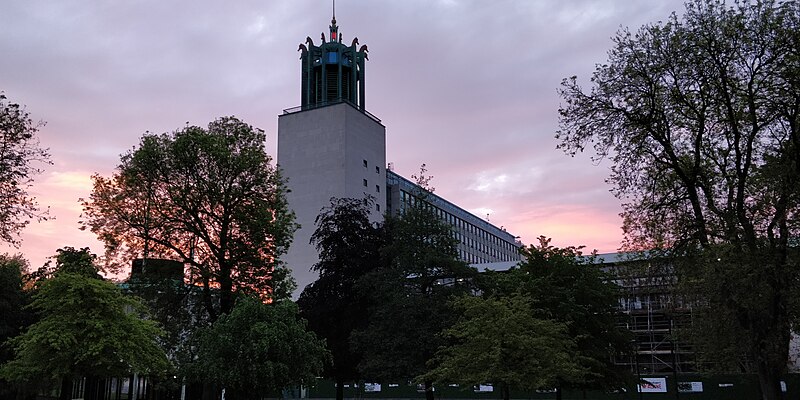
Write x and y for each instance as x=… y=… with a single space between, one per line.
x=330 y=103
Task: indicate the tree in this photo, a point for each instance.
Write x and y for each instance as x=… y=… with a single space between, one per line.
x=19 y=153
x=86 y=327
x=257 y=349
x=498 y=340
x=349 y=248
x=13 y=302
x=700 y=116
x=70 y=260
x=419 y=274
x=208 y=197
x=565 y=286
x=12 y=299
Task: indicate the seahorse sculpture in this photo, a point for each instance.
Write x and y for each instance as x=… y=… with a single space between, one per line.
x=364 y=50
x=302 y=48
x=323 y=37
x=355 y=42
x=309 y=41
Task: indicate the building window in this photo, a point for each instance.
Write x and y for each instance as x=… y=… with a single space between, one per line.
x=365 y=182
x=377 y=170
x=377 y=188
x=377 y=207
x=365 y=163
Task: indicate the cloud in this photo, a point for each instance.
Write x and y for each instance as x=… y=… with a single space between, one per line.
x=466 y=86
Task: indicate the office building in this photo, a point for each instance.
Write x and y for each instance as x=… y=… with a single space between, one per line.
x=331 y=146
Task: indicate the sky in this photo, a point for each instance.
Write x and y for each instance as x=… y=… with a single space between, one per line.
x=467 y=87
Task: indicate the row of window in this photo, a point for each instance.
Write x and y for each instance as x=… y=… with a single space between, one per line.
x=377 y=168
x=476 y=244
x=377 y=187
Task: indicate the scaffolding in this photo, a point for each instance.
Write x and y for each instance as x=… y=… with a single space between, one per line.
x=656 y=317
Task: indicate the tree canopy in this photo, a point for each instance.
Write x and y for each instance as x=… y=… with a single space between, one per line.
x=86 y=327
x=700 y=117
x=13 y=302
x=209 y=197
x=257 y=349
x=567 y=286
x=20 y=160
x=67 y=259
x=419 y=274
x=349 y=248
x=498 y=340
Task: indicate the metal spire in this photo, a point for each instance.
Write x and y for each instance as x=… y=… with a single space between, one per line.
x=333 y=20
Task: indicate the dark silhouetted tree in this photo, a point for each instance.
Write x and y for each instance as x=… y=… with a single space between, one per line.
x=419 y=274
x=19 y=155
x=86 y=328
x=349 y=248
x=209 y=197
x=700 y=117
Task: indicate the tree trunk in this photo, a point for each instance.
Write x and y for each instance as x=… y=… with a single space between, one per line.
x=225 y=290
x=506 y=393
x=339 y=388
x=95 y=388
x=772 y=339
x=558 y=392
x=89 y=388
x=208 y=302
x=209 y=391
x=66 y=389
x=770 y=383
x=429 y=390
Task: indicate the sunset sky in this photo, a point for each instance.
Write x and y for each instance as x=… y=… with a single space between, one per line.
x=467 y=87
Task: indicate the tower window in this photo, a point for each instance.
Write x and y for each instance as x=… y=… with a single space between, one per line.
x=365 y=182
x=377 y=207
x=365 y=163
x=377 y=188
x=377 y=170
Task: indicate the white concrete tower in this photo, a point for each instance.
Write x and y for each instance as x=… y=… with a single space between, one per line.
x=329 y=146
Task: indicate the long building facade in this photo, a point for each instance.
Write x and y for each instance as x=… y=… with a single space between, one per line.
x=331 y=146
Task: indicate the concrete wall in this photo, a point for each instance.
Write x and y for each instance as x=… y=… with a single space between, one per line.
x=321 y=152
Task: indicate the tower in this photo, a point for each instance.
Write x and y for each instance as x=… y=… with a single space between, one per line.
x=333 y=72
x=329 y=146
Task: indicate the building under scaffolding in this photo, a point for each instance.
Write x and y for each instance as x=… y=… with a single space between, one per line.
x=657 y=317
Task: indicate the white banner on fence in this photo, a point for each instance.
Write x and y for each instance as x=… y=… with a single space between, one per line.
x=372 y=387
x=690 y=387
x=653 y=385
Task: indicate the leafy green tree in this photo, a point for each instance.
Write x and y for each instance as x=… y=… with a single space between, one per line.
x=348 y=245
x=498 y=340
x=208 y=197
x=257 y=349
x=70 y=260
x=699 y=116
x=19 y=154
x=419 y=274
x=566 y=286
x=86 y=328
x=13 y=301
